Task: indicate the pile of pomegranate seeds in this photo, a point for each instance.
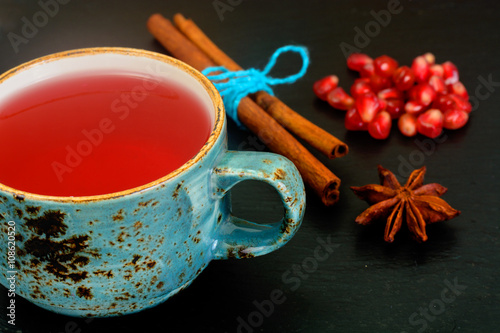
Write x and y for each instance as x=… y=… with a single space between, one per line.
x=425 y=98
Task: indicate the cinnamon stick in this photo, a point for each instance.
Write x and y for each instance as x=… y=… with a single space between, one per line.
x=317 y=137
x=324 y=183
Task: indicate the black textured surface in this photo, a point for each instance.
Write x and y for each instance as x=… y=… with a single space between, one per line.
x=356 y=283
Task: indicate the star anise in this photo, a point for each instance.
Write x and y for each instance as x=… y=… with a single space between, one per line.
x=417 y=203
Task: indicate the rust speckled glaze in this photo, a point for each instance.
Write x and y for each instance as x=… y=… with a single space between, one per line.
x=119 y=253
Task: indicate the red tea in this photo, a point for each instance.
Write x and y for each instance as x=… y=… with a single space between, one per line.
x=98 y=133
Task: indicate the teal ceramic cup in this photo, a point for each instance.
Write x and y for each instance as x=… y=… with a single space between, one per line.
x=119 y=253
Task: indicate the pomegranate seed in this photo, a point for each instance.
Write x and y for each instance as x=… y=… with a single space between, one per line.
x=455 y=119
x=380 y=127
x=383 y=103
x=458 y=88
x=360 y=87
x=411 y=94
x=339 y=99
x=430 y=123
x=424 y=94
x=414 y=107
x=420 y=68
x=379 y=82
x=353 y=121
x=407 y=124
x=430 y=58
x=322 y=87
x=461 y=103
x=452 y=101
x=367 y=105
x=385 y=66
x=443 y=102
x=437 y=70
x=437 y=83
x=395 y=107
x=450 y=73
x=356 y=61
x=390 y=93
x=367 y=70
x=403 y=78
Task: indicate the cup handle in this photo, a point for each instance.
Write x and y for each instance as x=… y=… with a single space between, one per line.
x=239 y=238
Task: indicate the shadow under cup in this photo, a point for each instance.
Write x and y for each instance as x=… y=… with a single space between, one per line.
x=119 y=253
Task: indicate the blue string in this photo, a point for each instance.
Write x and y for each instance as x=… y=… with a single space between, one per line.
x=233 y=86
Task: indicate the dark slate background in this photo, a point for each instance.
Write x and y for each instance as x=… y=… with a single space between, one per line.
x=364 y=284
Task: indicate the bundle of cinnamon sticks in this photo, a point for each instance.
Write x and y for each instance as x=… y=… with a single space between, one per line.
x=263 y=114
